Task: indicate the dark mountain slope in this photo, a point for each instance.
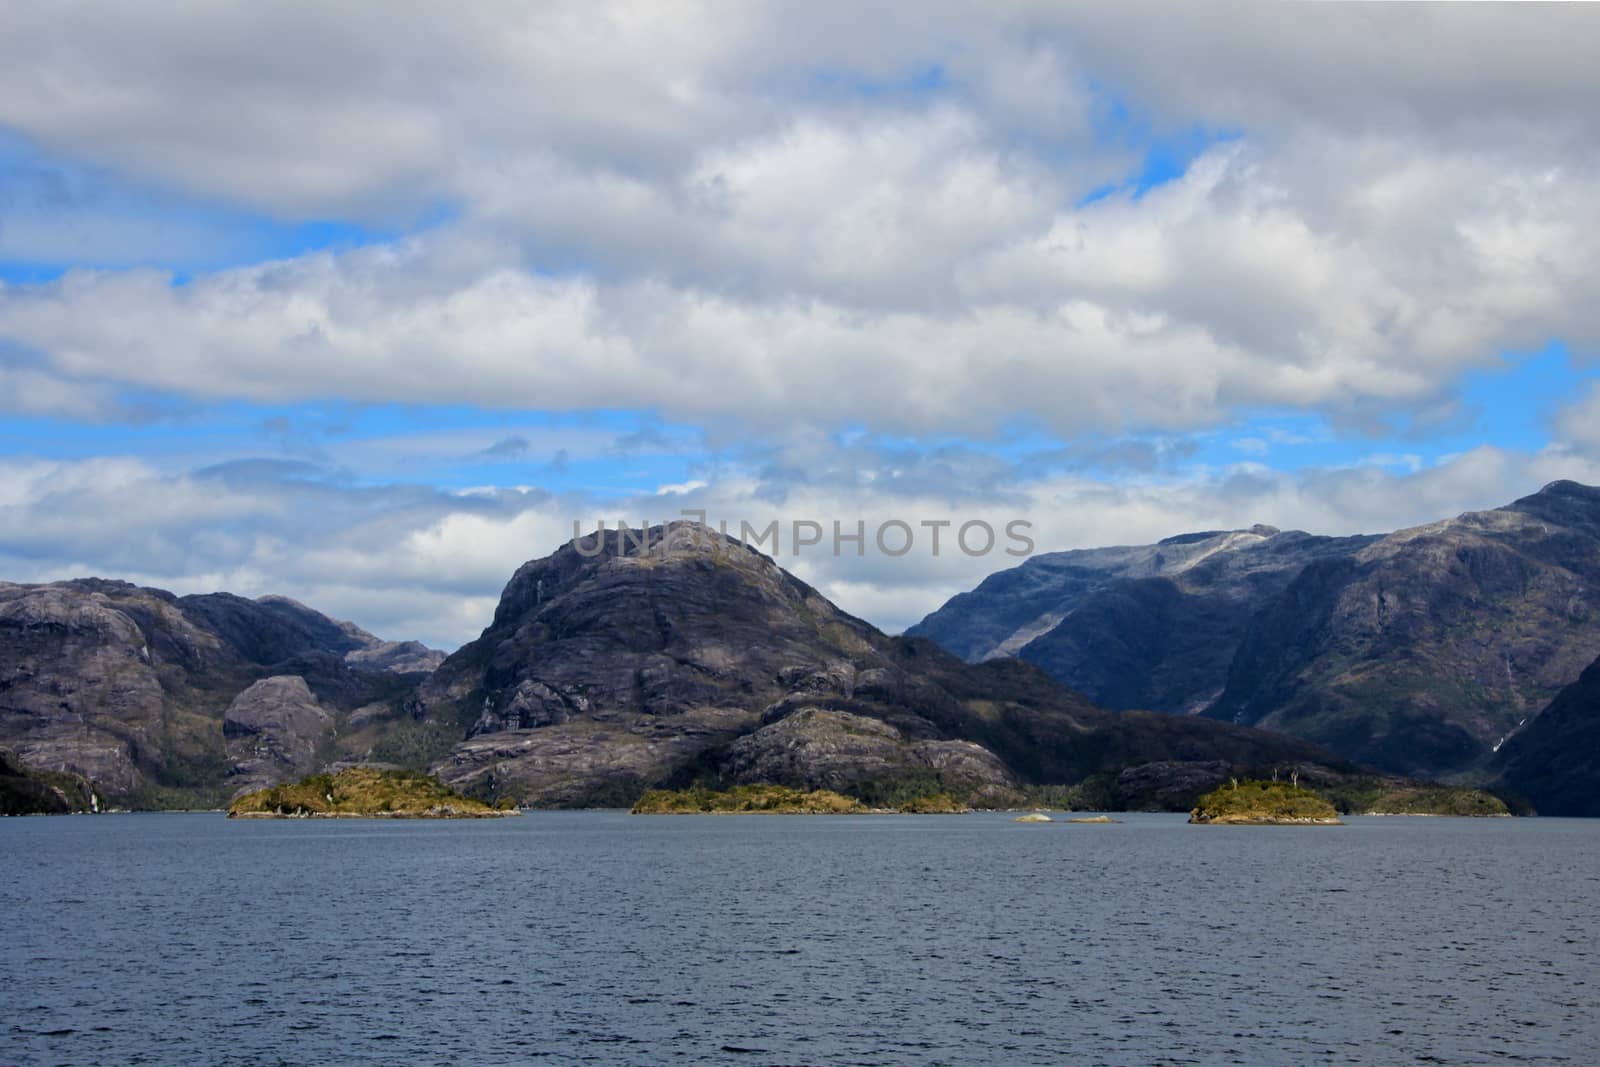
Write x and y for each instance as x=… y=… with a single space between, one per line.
x=1418 y=652
x=1555 y=761
x=602 y=676
x=1152 y=626
x=24 y=791
x=1423 y=651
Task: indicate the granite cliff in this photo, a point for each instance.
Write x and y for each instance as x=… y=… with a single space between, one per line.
x=162 y=700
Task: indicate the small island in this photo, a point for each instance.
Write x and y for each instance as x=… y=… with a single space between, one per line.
x=780 y=800
x=1258 y=803
x=365 y=793
x=1413 y=798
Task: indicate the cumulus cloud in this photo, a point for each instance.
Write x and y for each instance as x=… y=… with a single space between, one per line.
x=950 y=276
x=660 y=211
x=1229 y=288
x=766 y=225
x=1579 y=421
x=319 y=109
x=29 y=391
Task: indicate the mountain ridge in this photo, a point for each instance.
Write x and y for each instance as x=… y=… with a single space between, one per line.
x=159 y=698
x=1418 y=651
x=609 y=668
x=674 y=657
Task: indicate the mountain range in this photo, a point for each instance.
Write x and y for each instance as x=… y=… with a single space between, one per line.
x=159 y=699
x=1422 y=652
x=674 y=656
x=670 y=657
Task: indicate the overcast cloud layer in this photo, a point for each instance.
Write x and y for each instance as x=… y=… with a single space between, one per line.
x=855 y=254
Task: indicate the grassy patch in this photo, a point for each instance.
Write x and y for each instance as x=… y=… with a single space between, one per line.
x=782 y=800
x=1264 y=802
x=1389 y=799
x=934 y=804
x=362 y=791
x=751 y=799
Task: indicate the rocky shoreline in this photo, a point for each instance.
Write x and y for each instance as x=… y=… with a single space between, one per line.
x=364 y=793
x=1258 y=803
x=431 y=813
x=1266 y=820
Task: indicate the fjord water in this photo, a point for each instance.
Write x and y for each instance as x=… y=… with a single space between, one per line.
x=604 y=938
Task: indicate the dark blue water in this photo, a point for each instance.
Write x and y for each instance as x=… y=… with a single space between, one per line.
x=600 y=938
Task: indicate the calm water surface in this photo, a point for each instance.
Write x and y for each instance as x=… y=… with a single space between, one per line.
x=600 y=938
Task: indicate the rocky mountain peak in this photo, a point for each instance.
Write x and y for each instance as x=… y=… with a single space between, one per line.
x=1420 y=651
x=649 y=554
x=647 y=657
x=1565 y=503
x=673 y=654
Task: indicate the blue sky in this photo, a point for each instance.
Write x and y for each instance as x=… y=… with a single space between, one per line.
x=372 y=341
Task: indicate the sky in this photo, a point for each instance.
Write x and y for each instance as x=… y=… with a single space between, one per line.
x=368 y=303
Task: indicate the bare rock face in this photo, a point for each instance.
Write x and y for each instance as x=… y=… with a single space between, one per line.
x=589 y=762
x=615 y=662
x=1426 y=650
x=814 y=748
x=81 y=686
x=273 y=732
x=1148 y=626
x=396 y=657
x=129 y=687
x=1418 y=652
x=618 y=664
x=274 y=629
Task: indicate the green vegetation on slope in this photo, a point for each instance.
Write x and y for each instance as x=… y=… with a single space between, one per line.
x=364 y=791
x=1267 y=803
x=24 y=791
x=1388 y=797
x=746 y=799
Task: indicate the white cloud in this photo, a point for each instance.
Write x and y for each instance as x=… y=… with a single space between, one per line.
x=752 y=217
x=768 y=223
x=406 y=561
x=321 y=109
x=1578 y=422
x=907 y=257
x=29 y=391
